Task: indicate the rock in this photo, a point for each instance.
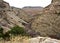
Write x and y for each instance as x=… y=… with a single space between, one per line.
x=1 y=0
x=11 y=16
x=48 y=22
x=22 y=14
x=43 y=40
x=4 y=5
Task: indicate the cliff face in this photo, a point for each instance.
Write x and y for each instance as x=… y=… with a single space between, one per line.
x=48 y=22
x=11 y=16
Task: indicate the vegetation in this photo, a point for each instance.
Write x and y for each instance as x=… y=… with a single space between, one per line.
x=2 y=35
x=1 y=32
x=15 y=31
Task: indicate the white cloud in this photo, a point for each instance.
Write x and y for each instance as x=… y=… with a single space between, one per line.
x=22 y=3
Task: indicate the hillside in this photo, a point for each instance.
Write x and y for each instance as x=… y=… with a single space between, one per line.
x=48 y=22
x=36 y=21
x=32 y=10
x=10 y=16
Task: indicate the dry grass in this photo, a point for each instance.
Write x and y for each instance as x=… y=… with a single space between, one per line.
x=16 y=39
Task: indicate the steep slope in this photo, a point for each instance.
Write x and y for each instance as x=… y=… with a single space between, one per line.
x=43 y=22
x=48 y=22
x=22 y=14
x=10 y=16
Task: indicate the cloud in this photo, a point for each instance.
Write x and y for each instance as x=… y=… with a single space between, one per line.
x=22 y=3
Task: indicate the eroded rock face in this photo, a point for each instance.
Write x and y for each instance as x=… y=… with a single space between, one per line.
x=9 y=17
x=22 y=14
x=48 y=22
x=47 y=25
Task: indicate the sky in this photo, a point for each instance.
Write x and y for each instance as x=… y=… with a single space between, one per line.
x=22 y=3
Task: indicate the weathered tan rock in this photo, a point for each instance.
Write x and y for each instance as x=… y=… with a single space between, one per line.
x=11 y=16
x=43 y=40
x=48 y=22
x=22 y=14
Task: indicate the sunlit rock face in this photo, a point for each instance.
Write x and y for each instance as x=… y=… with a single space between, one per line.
x=43 y=40
x=9 y=16
x=48 y=22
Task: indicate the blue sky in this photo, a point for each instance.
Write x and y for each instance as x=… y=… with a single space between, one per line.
x=22 y=3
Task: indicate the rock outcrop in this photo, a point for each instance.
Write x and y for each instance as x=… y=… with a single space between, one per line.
x=48 y=22
x=11 y=16
x=43 y=40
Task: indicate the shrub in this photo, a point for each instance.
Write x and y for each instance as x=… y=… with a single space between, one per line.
x=16 y=30
x=1 y=32
x=2 y=35
x=6 y=36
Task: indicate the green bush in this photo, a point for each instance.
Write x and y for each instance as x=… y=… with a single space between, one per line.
x=2 y=35
x=16 y=30
x=1 y=32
